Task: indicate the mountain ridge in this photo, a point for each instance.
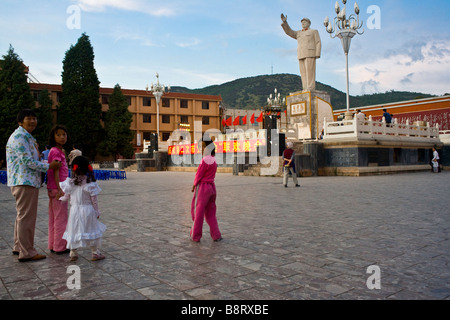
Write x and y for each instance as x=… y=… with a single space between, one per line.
x=252 y=92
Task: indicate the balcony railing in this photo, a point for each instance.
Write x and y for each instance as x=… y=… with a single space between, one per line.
x=380 y=130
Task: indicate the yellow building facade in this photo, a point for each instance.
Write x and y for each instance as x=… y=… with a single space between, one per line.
x=176 y=111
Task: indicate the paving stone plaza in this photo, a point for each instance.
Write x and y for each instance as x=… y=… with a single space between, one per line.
x=334 y=238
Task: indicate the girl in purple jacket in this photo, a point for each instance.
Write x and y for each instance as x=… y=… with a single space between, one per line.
x=204 y=201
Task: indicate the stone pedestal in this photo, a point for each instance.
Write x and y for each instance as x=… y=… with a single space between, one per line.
x=161 y=160
x=311 y=148
x=306 y=112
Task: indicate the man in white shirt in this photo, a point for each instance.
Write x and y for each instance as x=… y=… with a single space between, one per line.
x=360 y=116
x=435 y=162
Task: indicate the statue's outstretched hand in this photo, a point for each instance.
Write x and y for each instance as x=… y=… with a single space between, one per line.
x=283 y=18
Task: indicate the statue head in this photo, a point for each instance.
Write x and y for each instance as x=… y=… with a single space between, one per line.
x=306 y=23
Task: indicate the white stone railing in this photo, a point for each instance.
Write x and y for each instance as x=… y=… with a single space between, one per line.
x=380 y=130
x=445 y=136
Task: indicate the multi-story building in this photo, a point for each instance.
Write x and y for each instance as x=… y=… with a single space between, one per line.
x=176 y=111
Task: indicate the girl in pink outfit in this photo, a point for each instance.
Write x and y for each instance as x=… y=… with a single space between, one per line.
x=57 y=210
x=204 y=201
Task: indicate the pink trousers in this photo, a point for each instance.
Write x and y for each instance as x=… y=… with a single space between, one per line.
x=57 y=222
x=204 y=207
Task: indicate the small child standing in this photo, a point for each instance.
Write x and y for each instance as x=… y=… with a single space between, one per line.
x=57 y=210
x=204 y=201
x=83 y=228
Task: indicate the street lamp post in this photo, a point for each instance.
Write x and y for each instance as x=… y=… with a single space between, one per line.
x=275 y=101
x=345 y=28
x=157 y=90
x=274 y=104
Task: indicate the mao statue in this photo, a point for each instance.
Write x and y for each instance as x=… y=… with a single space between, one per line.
x=308 y=50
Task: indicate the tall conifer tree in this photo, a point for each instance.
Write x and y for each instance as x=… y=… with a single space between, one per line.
x=15 y=95
x=80 y=109
x=45 y=119
x=118 y=120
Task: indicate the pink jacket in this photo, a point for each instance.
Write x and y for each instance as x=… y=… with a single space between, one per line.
x=206 y=171
x=57 y=154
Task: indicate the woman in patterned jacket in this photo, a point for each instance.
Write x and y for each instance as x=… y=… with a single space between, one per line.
x=24 y=178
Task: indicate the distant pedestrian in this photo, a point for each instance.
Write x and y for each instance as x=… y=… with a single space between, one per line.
x=322 y=134
x=289 y=164
x=203 y=204
x=436 y=161
x=76 y=152
x=83 y=228
x=387 y=117
x=44 y=158
x=44 y=154
x=360 y=116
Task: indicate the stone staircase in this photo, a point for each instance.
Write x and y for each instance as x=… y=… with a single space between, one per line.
x=132 y=168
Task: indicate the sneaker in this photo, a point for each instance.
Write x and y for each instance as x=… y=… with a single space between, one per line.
x=297 y=185
x=74 y=258
x=217 y=240
x=97 y=256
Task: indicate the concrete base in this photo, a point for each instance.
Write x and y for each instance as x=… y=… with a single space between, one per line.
x=371 y=171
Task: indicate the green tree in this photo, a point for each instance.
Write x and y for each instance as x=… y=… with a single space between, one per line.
x=117 y=126
x=80 y=109
x=45 y=119
x=15 y=95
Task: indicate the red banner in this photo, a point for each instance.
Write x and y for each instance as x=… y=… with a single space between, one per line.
x=221 y=147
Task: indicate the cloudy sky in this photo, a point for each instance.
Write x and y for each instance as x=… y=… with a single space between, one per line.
x=197 y=43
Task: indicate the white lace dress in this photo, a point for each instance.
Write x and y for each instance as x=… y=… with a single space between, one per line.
x=83 y=228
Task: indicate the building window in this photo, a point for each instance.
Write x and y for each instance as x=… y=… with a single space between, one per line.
x=205 y=120
x=165 y=118
x=205 y=105
x=166 y=103
x=35 y=95
x=165 y=136
x=146 y=102
x=129 y=100
x=147 y=135
x=183 y=104
x=105 y=99
x=147 y=118
x=58 y=96
x=184 y=119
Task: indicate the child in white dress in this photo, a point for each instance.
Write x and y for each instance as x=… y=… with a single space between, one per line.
x=83 y=227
